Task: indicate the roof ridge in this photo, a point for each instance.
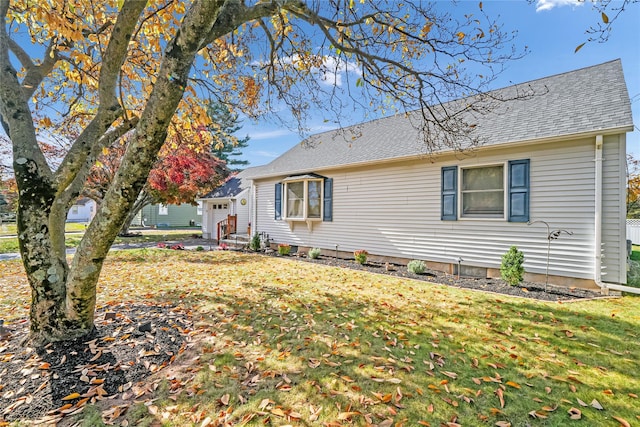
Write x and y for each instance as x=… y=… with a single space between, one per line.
x=556 y=75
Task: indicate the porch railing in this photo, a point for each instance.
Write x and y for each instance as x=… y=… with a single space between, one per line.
x=227 y=227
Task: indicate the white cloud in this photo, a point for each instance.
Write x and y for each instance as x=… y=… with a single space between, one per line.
x=331 y=71
x=542 y=5
x=269 y=154
x=269 y=134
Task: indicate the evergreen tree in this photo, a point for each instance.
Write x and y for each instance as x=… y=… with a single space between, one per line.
x=226 y=146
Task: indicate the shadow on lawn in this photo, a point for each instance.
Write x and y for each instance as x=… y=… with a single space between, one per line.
x=339 y=344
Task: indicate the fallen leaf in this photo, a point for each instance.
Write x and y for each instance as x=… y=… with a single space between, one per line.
x=596 y=404
x=500 y=394
x=538 y=414
x=622 y=421
x=574 y=413
x=71 y=396
x=342 y=416
x=265 y=402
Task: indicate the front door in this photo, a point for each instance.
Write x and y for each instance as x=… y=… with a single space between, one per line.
x=219 y=211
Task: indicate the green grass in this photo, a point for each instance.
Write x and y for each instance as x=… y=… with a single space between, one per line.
x=72 y=239
x=635 y=253
x=284 y=338
x=9 y=229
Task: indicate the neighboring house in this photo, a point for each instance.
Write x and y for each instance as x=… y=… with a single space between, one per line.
x=183 y=215
x=83 y=210
x=226 y=210
x=557 y=157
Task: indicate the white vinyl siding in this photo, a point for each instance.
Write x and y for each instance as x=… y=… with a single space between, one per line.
x=243 y=211
x=394 y=210
x=614 y=267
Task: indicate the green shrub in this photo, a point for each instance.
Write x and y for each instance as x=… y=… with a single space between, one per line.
x=511 y=268
x=416 y=266
x=633 y=275
x=360 y=256
x=284 y=249
x=254 y=245
x=199 y=248
x=314 y=253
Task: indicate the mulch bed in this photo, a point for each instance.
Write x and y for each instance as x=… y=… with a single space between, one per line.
x=525 y=289
x=130 y=343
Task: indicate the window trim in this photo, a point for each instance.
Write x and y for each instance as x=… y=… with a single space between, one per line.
x=505 y=191
x=163 y=209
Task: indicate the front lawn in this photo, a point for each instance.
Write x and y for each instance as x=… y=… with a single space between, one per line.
x=9 y=228
x=72 y=239
x=283 y=342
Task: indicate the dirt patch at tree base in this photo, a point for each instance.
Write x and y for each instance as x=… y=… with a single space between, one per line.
x=130 y=343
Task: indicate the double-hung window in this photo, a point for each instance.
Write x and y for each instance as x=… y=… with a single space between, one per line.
x=492 y=191
x=304 y=198
x=482 y=191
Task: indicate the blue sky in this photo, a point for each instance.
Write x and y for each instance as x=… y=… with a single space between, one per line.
x=552 y=29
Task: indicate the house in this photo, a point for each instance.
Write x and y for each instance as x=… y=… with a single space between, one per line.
x=182 y=215
x=83 y=210
x=556 y=159
x=226 y=210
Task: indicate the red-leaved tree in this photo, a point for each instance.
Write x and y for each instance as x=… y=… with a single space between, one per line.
x=183 y=172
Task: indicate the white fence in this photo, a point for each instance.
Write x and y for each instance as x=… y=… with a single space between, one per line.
x=633 y=231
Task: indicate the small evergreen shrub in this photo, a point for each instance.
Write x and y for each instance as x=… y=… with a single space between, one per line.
x=199 y=248
x=284 y=249
x=416 y=266
x=254 y=245
x=314 y=253
x=360 y=256
x=633 y=274
x=511 y=268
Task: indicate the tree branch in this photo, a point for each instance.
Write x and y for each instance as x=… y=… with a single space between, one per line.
x=108 y=109
x=35 y=73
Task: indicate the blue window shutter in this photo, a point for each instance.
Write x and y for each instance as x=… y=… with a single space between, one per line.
x=519 y=190
x=327 y=214
x=449 y=200
x=278 y=203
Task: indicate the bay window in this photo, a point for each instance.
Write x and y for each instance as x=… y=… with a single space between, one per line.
x=304 y=198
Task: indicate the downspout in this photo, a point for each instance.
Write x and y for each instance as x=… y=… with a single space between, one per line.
x=604 y=287
x=598 y=215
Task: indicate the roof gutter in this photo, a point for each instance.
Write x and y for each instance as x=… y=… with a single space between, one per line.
x=597 y=274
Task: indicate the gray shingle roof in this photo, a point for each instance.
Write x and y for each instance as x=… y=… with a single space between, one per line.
x=582 y=101
x=231 y=188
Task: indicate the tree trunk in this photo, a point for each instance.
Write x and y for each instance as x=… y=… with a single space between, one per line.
x=64 y=296
x=142 y=201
